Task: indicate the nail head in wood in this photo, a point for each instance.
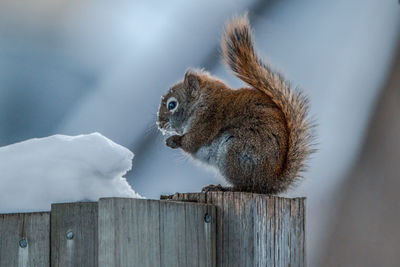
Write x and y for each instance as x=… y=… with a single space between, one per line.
x=207 y=218
x=23 y=243
x=69 y=235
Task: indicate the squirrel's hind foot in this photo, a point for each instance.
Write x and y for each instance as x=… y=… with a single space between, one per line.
x=216 y=188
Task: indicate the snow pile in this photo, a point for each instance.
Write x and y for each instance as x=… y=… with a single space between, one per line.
x=59 y=168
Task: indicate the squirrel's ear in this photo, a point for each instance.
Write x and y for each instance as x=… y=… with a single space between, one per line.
x=191 y=81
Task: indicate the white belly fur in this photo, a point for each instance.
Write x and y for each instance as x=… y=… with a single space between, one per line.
x=214 y=155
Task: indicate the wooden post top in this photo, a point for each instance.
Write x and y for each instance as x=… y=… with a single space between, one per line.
x=255 y=229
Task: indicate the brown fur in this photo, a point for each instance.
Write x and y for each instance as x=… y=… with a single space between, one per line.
x=258 y=137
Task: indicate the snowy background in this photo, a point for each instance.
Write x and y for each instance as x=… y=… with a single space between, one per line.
x=77 y=67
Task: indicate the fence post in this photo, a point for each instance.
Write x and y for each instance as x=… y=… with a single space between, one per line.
x=24 y=239
x=74 y=234
x=255 y=229
x=221 y=229
x=137 y=232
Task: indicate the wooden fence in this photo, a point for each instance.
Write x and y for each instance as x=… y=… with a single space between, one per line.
x=194 y=229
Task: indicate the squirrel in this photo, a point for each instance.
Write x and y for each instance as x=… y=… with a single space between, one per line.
x=258 y=137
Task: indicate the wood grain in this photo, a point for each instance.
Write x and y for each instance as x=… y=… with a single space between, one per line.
x=137 y=232
x=195 y=229
x=34 y=228
x=81 y=220
x=255 y=229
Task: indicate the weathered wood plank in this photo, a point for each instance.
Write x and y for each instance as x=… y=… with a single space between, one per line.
x=199 y=235
x=74 y=234
x=172 y=234
x=247 y=226
x=24 y=239
x=129 y=232
x=255 y=229
x=217 y=200
x=137 y=232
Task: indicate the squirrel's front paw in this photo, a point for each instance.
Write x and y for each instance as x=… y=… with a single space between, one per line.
x=174 y=141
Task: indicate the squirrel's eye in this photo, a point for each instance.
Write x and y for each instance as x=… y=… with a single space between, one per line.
x=172 y=104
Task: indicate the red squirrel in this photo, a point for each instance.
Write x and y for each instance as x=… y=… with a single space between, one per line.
x=257 y=137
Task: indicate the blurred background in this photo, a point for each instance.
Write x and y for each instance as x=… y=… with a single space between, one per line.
x=74 y=67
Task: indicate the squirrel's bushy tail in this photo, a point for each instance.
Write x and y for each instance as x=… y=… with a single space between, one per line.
x=239 y=55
